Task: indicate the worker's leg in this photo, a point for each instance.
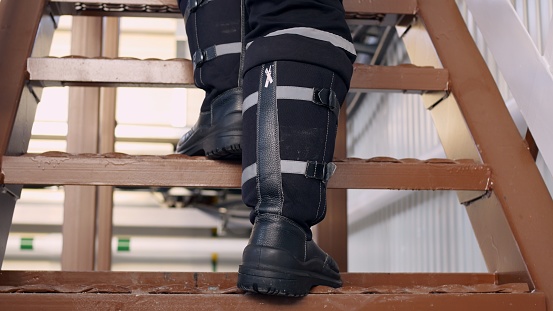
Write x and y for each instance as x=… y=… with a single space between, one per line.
x=297 y=73
x=214 y=35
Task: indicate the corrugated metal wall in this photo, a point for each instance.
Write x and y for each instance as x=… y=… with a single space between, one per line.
x=424 y=231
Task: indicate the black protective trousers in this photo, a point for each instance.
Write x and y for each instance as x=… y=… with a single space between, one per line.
x=295 y=68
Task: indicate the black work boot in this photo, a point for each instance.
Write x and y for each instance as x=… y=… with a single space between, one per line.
x=290 y=122
x=282 y=260
x=214 y=30
x=218 y=132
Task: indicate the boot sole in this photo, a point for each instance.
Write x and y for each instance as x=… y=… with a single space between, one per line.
x=223 y=147
x=218 y=146
x=278 y=283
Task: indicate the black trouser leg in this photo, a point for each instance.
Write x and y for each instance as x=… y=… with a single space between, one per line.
x=214 y=25
x=214 y=29
x=295 y=80
x=289 y=136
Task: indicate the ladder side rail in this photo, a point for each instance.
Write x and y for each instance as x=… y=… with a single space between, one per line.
x=519 y=193
x=497 y=243
x=25 y=30
x=19 y=23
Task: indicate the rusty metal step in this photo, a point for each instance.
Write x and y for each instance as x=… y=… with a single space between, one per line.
x=217 y=291
x=58 y=168
x=80 y=71
x=378 y=12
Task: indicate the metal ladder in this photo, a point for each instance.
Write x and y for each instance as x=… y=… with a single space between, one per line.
x=489 y=165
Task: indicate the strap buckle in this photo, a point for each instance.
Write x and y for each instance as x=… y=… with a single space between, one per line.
x=6 y=190
x=194 y=4
x=320 y=170
x=192 y=7
x=200 y=57
x=327 y=98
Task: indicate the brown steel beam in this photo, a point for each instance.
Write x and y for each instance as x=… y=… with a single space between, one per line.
x=406 y=7
x=404 y=78
x=79 y=219
x=24 y=32
x=57 y=168
x=80 y=71
x=383 y=12
x=108 y=101
x=217 y=291
x=369 y=302
x=490 y=225
x=154 y=282
x=139 y=8
x=500 y=249
x=19 y=23
x=356 y=6
x=518 y=186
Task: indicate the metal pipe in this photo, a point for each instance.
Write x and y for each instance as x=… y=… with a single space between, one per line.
x=49 y=246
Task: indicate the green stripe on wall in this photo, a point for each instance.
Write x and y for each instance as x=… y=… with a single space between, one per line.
x=26 y=244
x=124 y=245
